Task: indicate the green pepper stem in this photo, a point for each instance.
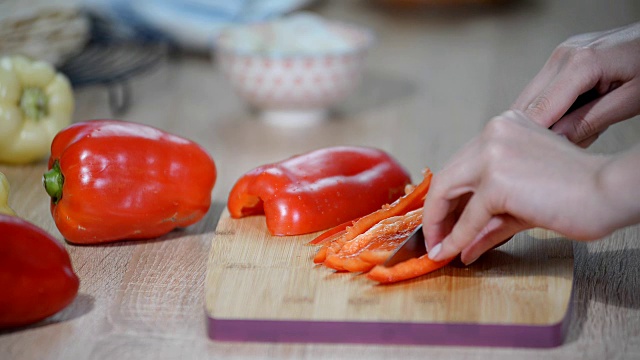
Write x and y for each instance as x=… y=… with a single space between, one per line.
x=34 y=103
x=53 y=181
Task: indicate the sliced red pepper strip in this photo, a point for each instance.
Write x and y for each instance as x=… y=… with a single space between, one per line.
x=411 y=201
x=321 y=255
x=387 y=234
x=369 y=242
x=403 y=205
x=356 y=264
x=318 y=190
x=377 y=256
x=405 y=270
x=329 y=233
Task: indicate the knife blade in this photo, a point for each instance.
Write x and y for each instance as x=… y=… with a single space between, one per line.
x=412 y=247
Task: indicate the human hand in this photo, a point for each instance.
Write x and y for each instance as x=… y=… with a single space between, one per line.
x=515 y=175
x=605 y=65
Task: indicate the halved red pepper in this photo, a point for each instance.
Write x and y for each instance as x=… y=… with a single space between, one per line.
x=319 y=189
x=36 y=276
x=113 y=180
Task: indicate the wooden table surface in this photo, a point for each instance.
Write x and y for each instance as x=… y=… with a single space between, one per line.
x=434 y=78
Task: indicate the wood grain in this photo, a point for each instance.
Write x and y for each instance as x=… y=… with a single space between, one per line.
x=254 y=276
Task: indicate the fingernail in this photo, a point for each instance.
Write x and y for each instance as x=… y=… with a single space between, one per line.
x=467 y=263
x=433 y=254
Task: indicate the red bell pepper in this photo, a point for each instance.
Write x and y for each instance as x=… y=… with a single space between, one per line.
x=319 y=189
x=113 y=180
x=411 y=201
x=36 y=276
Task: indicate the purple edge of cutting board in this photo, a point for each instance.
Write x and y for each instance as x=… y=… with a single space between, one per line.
x=390 y=333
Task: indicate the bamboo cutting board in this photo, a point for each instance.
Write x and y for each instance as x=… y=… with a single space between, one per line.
x=264 y=288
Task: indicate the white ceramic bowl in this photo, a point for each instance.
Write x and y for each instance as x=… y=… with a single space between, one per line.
x=295 y=88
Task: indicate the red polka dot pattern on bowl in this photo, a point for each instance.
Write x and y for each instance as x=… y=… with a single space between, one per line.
x=297 y=82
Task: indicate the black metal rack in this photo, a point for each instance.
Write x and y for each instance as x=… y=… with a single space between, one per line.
x=111 y=60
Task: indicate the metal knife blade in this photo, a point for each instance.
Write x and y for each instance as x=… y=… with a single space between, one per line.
x=412 y=247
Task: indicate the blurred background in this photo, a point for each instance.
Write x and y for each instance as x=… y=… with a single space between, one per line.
x=440 y=60
x=108 y=42
x=416 y=78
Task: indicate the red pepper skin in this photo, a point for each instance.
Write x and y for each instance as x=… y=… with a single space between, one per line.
x=319 y=189
x=126 y=180
x=36 y=276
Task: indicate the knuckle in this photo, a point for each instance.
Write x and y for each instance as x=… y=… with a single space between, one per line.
x=583 y=62
x=541 y=105
x=573 y=43
x=582 y=56
x=498 y=140
x=565 y=50
x=582 y=129
x=560 y=52
x=498 y=127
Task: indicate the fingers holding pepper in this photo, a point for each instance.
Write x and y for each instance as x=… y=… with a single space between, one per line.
x=515 y=175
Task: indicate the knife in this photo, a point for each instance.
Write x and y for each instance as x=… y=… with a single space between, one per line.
x=412 y=247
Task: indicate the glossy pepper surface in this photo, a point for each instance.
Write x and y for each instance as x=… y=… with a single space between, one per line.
x=36 y=276
x=35 y=103
x=319 y=189
x=113 y=180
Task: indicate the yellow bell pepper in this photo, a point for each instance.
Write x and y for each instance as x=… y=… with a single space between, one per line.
x=4 y=196
x=35 y=103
